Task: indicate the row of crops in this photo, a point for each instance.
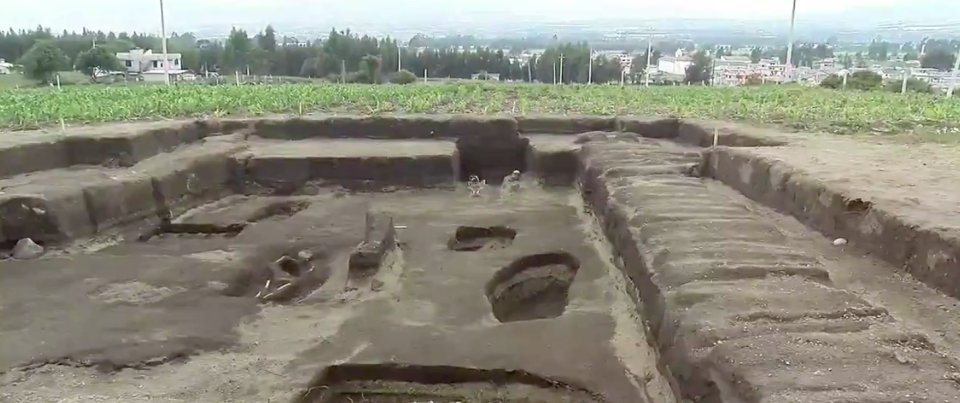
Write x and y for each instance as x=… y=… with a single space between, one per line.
x=796 y=107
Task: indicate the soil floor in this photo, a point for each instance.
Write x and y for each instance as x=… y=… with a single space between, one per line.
x=120 y=320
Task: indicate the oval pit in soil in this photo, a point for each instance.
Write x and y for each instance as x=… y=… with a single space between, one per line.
x=404 y=383
x=532 y=287
x=470 y=239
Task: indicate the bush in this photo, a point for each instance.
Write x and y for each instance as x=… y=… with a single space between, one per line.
x=754 y=80
x=404 y=77
x=864 y=80
x=832 y=81
x=913 y=85
x=356 y=77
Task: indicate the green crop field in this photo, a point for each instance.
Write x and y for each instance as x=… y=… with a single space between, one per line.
x=789 y=106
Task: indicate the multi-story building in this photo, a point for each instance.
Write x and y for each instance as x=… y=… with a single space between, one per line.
x=626 y=61
x=739 y=70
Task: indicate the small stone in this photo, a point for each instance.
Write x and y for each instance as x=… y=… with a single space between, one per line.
x=839 y=242
x=376 y=285
x=953 y=376
x=26 y=249
x=902 y=358
x=305 y=254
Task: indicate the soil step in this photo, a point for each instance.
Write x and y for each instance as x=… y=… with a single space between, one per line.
x=286 y=166
x=66 y=203
x=121 y=144
x=749 y=318
x=552 y=158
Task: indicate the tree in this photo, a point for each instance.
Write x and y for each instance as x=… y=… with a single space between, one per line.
x=312 y=67
x=236 y=51
x=755 y=55
x=261 y=62
x=878 y=50
x=267 y=40
x=369 y=70
x=404 y=77
x=43 y=60
x=639 y=65
x=940 y=59
x=860 y=61
x=822 y=51
x=96 y=60
x=846 y=61
x=699 y=71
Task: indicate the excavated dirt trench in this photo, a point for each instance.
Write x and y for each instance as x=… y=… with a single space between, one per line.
x=345 y=260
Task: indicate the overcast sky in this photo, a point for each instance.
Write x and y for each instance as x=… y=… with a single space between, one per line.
x=143 y=15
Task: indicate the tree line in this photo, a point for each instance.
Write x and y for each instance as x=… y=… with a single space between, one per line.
x=349 y=57
x=341 y=56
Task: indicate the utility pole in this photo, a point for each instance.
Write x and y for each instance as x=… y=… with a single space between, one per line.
x=529 y=70
x=163 y=45
x=399 y=58
x=646 y=70
x=953 y=76
x=903 y=85
x=590 y=68
x=561 y=68
x=793 y=22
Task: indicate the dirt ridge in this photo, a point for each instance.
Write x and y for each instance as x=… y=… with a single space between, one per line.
x=735 y=336
x=929 y=254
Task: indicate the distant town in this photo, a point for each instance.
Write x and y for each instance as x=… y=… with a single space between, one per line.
x=344 y=56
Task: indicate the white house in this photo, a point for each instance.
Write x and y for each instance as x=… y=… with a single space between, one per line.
x=676 y=64
x=150 y=65
x=5 y=67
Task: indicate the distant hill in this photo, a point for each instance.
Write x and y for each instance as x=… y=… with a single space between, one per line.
x=919 y=13
x=504 y=17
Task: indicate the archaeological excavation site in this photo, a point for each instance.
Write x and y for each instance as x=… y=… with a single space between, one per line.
x=501 y=259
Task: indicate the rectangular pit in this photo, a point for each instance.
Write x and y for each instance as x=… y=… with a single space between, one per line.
x=667 y=229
